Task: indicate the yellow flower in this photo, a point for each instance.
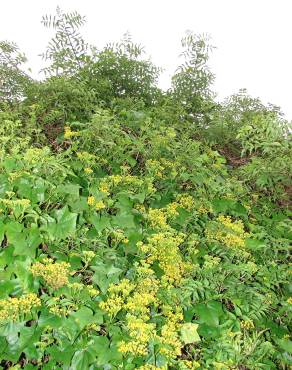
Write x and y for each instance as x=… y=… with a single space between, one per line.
x=247 y=324
x=88 y=255
x=68 y=133
x=289 y=300
x=164 y=248
x=88 y=170
x=12 y=308
x=91 y=200
x=61 y=307
x=231 y=233
x=99 y=205
x=185 y=201
x=55 y=274
x=157 y=218
x=92 y=291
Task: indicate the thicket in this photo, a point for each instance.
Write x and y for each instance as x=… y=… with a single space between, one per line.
x=139 y=228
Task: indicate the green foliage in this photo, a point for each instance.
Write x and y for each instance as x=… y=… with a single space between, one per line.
x=13 y=80
x=67 y=49
x=128 y=241
x=192 y=80
x=118 y=71
x=236 y=112
x=58 y=100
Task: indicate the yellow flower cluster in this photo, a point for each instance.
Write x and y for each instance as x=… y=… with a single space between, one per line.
x=88 y=170
x=136 y=299
x=187 y=364
x=289 y=300
x=12 y=308
x=185 y=201
x=118 y=236
x=97 y=204
x=247 y=324
x=164 y=248
x=152 y=367
x=61 y=307
x=36 y=155
x=87 y=256
x=141 y=334
x=117 y=296
x=170 y=342
x=157 y=218
x=108 y=183
x=68 y=133
x=15 y=202
x=228 y=232
x=159 y=168
x=140 y=207
x=203 y=209
x=236 y=226
x=78 y=287
x=155 y=167
x=93 y=292
x=55 y=274
x=86 y=157
x=171 y=210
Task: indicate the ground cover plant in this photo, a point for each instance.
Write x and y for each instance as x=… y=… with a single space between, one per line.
x=139 y=229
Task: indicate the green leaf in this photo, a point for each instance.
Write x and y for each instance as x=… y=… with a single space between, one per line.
x=81 y=360
x=209 y=312
x=64 y=225
x=124 y=220
x=100 y=222
x=189 y=333
x=83 y=317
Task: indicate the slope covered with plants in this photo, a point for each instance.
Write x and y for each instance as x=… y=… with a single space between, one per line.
x=139 y=228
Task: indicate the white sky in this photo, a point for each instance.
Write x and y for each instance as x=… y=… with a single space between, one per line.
x=253 y=37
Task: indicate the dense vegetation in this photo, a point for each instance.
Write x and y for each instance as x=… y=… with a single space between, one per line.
x=139 y=228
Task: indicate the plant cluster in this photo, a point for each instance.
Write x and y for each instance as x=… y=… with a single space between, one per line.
x=140 y=229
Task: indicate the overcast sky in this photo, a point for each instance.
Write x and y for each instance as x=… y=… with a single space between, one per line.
x=253 y=37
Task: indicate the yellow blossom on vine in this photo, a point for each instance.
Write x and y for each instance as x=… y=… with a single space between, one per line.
x=91 y=200
x=152 y=367
x=117 y=294
x=99 y=205
x=132 y=347
x=55 y=274
x=140 y=207
x=87 y=256
x=171 y=344
x=247 y=324
x=157 y=218
x=93 y=292
x=12 y=308
x=231 y=233
x=68 y=133
x=11 y=203
x=76 y=286
x=88 y=170
x=141 y=333
x=163 y=247
x=187 y=364
x=61 y=307
x=185 y=201
x=171 y=209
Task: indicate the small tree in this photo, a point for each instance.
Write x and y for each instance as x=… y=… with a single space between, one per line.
x=67 y=50
x=192 y=80
x=13 y=80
